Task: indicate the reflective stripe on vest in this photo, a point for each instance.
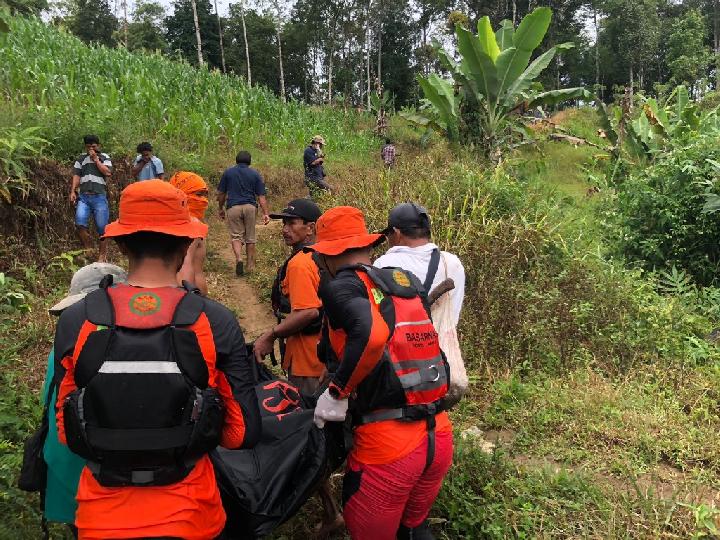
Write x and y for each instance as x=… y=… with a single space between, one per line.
x=414 y=352
x=122 y=366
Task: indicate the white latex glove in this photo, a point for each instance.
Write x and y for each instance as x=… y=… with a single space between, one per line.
x=329 y=409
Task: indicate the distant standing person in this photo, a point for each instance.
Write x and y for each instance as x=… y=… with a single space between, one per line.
x=89 y=193
x=313 y=160
x=241 y=189
x=388 y=153
x=147 y=166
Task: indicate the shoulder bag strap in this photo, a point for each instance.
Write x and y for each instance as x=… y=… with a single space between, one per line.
x=432 y=269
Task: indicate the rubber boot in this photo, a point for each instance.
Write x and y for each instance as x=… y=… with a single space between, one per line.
x=421 y=532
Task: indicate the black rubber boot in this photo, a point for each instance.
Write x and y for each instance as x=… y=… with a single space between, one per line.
x=421 y=532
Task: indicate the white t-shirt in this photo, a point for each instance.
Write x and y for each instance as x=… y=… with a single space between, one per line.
x=417 y=260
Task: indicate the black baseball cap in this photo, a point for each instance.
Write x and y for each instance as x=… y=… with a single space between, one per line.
x=407 y=216
x=300 y=208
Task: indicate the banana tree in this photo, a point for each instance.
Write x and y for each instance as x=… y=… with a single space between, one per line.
x=439 y=110
x=495 y=77
x=657 y=126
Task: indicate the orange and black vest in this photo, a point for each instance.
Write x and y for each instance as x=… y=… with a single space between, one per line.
x=144 y=411
x=413 y=375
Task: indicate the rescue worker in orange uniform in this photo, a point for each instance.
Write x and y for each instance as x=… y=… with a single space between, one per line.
x=153 y=376
x=298 y=309
x=194 y=186
x=392 y=376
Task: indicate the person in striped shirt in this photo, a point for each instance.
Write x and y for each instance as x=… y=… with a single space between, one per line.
x=89 y=193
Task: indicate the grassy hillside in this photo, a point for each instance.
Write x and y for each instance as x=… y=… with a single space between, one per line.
x=593 y=411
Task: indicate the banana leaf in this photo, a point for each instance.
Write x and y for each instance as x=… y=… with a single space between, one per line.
x=441 y=94
x=486 y=38
x=446 y=61
x=605 y=124
x=532 y=29
x=423 y=121
x=478 y=66
x=504 y=35
x=533 y=71
x=553 y=97
x=712 y=203
x=633 y=143
x=683 y=98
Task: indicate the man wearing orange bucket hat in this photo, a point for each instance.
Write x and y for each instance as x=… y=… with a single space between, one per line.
x=153 y=377
x=390 y=376
x=194 y=186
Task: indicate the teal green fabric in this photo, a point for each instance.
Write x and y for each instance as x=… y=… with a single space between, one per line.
x=63 y=466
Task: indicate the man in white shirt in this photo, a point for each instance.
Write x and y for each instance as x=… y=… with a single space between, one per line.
x=408 y=234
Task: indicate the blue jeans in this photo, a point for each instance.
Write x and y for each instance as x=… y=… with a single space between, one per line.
x=95 y=204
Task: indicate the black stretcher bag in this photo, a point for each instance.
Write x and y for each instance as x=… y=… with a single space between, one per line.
x=263 y=487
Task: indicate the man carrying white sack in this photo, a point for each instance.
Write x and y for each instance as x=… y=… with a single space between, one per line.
x=408 y=233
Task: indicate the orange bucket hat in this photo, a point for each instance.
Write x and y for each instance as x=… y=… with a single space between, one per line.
x=343 y=228
x=154 y=206
x=192 y=184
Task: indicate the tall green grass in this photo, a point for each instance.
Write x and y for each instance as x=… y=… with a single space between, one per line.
x=71 y=89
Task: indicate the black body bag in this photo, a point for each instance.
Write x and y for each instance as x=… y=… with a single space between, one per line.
x=263 y=487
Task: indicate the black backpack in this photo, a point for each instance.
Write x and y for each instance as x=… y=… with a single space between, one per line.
x=263 y=487
x=143 y=412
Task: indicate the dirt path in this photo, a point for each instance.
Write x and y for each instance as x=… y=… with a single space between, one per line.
x=254 y=315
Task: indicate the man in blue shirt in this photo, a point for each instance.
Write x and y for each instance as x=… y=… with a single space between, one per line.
x=146 y=165
x=241 y=189
x=313 y=160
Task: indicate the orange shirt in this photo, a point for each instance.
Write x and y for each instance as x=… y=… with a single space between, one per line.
x=301 y=283
x=384 y=442
x=190 y=509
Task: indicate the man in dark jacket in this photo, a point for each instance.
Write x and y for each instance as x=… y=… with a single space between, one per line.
x=314 y=160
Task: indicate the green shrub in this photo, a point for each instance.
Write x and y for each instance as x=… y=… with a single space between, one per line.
x=656 y=217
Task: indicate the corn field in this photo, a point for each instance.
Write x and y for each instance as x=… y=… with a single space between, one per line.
x=52 y=79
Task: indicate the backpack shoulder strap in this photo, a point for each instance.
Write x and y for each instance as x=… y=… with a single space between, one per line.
x=432 y=269
x=98 y=305
x=189 y=308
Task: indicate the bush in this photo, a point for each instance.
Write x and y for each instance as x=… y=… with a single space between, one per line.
x=658 y=216
x=537 y=296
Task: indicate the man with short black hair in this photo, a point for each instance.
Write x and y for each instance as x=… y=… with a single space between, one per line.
x=88 y=192
x=408 y=234
x=295 y=300
x=313 y=161
x=147 y=166
x=241 y=189
x=153 y=377
x=388 y=153
x=298 y=310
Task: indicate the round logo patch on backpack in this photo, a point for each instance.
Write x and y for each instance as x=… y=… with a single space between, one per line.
x=145 y=303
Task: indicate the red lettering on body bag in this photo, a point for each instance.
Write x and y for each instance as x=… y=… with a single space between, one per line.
x=289 y=397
